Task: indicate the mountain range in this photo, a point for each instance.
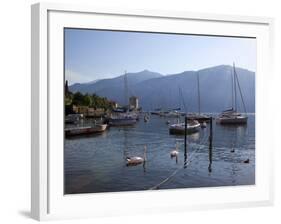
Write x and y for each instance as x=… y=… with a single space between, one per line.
x=155 y=90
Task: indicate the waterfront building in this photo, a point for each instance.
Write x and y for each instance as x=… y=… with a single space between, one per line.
x=88 y=111
x=92 y=112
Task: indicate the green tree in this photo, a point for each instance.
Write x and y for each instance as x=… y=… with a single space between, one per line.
x=78 y=99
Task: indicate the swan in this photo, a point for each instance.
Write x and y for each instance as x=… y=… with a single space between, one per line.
x=175 y=152
x=135 y=160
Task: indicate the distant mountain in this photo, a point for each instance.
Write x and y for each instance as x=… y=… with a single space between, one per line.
x=171 y=91
x=114 y=87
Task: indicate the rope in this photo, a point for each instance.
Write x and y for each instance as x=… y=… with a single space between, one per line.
x=180 y=168
x=165 y=180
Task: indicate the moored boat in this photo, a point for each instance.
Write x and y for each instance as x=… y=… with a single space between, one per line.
x=201 y=118
x=172 y=114
x=76 y=131
x=192 y=125
x=179 y=128
x=126 y=118
x=231 y=116
x=122 y=120
x=156 y=111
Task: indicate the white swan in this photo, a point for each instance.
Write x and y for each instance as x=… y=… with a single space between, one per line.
x=135 y=160
x=175 y=152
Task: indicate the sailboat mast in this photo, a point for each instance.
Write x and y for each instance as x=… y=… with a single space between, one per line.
x=232 y=95
x=240 y=91
x=181 y=97
x=198 y=90
x=126 y=100
x=235 y=95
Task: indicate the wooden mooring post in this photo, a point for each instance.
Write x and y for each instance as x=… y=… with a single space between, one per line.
x=185 y=133
x=185 y=141
x=210 y=145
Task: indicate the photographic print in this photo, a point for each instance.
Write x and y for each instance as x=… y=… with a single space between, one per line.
x=152 y=111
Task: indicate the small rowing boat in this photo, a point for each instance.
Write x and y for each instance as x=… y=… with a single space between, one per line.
x=76 y=131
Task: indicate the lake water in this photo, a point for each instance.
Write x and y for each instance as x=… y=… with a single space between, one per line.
x=97 y=163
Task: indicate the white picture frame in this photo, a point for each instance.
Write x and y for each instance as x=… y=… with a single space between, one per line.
x=47 y=198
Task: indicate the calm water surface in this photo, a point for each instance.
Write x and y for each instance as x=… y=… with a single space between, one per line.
x=97 y=163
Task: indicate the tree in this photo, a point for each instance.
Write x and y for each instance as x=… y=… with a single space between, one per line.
x=93 y=100
x=78 y=99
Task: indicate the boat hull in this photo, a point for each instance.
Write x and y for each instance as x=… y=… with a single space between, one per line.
x=180 y=129
x=199 y=118
x=122 y=122
x=155 y=113
x=85 y=130
x=232 y=120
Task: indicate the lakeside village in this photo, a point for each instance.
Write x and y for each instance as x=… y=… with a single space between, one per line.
x=99 y=113
x=89 y=115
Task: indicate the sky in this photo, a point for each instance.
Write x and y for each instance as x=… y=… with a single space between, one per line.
x=97 y=54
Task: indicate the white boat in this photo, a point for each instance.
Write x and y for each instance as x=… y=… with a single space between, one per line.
x=122 y=120
x=127 y=118
x=172 y=114
x=231 y=116
x=179 y=128
x=76 y=131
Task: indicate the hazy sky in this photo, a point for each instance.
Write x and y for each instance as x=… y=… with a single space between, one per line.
x=94 y=54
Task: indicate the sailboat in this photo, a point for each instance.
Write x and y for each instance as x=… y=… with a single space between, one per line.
x=192 y=126
x=174 y=113
x=178 y=128
x=127 y=118
x=201 y=118
x=231 y=116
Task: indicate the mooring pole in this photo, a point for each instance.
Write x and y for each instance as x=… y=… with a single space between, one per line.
x=185 y=133
x=210 y=145
x=185 y=141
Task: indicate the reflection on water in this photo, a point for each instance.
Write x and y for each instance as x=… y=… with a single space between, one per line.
x=98 y=163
